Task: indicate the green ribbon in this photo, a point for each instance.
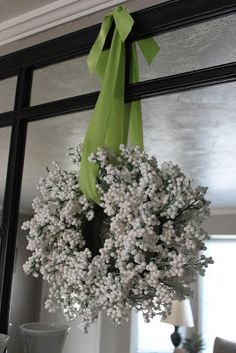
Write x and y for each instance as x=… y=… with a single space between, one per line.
x=112 y=119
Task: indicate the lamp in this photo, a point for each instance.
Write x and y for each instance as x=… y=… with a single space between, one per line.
x=181 y=315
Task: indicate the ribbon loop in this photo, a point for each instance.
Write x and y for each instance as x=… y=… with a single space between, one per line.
x=98 y=45
x=123 y=21
x=149 y=49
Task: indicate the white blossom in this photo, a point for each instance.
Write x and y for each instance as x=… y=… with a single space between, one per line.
x=150 y=241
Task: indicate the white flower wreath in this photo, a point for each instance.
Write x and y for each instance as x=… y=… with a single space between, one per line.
x=143 y=254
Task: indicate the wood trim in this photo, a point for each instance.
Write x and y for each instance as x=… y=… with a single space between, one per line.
x=49 y=16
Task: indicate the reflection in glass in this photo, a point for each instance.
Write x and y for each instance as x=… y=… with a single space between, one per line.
x=5 y=134
x=197 y=129
x=7 y=94
x=192 y=48
x=66 y=79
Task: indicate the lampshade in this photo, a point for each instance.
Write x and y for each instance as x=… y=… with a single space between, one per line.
x=181 y=314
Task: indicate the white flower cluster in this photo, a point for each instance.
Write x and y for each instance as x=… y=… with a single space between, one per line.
x=150 y=242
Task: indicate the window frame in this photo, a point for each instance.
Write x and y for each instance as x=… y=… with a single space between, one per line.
x=167 y=16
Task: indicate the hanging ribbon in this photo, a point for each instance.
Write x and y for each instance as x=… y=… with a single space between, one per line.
x=112 y=119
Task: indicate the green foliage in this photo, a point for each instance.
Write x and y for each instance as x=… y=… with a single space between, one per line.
x=194 y=344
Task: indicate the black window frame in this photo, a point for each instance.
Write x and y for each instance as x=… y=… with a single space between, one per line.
x=167 y=16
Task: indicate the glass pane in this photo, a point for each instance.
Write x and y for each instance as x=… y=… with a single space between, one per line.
x=47 y=141
x=197 y=129
x=5 y=134
x=218 y=290
x=192 y=48
x=7 y=94
x=66 y=79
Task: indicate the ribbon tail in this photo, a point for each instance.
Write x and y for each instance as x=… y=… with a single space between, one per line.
x=102 y=64
x=136 y=127
x=117 y=130
x=149 y=48
x=100 y=120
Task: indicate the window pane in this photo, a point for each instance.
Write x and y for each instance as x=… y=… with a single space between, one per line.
x=66 y=79
x=5 y=134
x=47 y=141
x=192 y=48
x=7 y=94
x=197 y=129
x=218 y=293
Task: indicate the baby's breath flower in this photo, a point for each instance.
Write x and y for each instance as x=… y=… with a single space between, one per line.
x=149 y=243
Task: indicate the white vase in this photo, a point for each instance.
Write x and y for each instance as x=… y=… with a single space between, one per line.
x=43 y=337
x=3 y=342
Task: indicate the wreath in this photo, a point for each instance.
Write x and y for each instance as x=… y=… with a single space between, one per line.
x=139 y=249
x=118 y=231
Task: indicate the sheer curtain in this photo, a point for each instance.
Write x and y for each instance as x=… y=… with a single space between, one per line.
x=152 y=337
x=217 y=294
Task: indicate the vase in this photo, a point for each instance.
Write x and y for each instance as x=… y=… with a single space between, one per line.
x=43 y=337
x=3 y=342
